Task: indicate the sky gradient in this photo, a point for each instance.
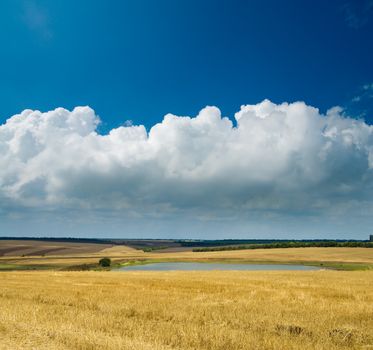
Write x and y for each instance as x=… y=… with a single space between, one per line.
x=120 y=168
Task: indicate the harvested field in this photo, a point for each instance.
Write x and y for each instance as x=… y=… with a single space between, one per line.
x=324 y=310
x=332 y=254
x=55 y=255
x=38 y=248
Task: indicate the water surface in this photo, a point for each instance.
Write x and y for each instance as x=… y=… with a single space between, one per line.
x=192 y=266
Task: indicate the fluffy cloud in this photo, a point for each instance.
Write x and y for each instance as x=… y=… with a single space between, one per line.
x=284 y=160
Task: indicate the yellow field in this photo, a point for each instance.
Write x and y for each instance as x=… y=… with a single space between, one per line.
x=355 y=255
x=186 y=310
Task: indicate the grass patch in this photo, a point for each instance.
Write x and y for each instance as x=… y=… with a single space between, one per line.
x=15 y=267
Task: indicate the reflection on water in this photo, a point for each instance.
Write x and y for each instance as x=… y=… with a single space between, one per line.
x=191 y=266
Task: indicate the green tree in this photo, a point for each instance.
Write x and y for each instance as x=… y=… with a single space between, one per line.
x=105 y=262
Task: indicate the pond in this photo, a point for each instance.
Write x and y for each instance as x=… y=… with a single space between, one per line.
x=192 y=266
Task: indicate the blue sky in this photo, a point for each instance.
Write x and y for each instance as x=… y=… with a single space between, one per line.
x=87 y=147
x=139 y=60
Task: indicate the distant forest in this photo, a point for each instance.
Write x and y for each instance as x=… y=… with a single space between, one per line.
x=289 y=244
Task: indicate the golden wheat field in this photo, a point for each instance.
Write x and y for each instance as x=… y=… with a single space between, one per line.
x=315 y=254
x=186 y=310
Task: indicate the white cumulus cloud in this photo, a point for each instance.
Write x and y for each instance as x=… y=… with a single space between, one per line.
x=279 y=161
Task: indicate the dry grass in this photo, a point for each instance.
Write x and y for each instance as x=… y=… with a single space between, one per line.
x=186 y=310
x=354 y=255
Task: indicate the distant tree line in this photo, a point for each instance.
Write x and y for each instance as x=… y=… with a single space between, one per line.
x=235 y=242
x=288 y=244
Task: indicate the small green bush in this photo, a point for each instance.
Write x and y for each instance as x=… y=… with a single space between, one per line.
x=105 y=262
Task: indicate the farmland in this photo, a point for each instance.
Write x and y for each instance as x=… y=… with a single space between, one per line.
x=59 y=307
x=36 y=254
x=195 y=310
